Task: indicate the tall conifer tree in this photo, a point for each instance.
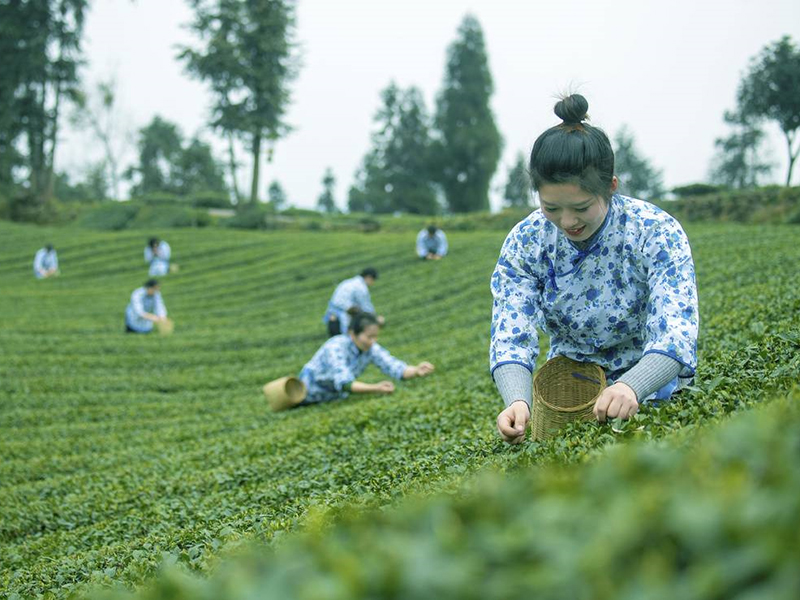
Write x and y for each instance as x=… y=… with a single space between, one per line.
x=469 y=143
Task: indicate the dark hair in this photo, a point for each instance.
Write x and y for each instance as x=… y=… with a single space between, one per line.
x=432 y=229
x=153 y=242
x=361 y=321
x=151 y=283
x=369 y=272
x=574 y=151
x=48 y=247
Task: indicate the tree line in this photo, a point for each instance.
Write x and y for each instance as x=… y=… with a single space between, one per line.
x=419 y=161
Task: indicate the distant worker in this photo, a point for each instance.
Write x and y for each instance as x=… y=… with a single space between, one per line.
x=145 y=309
x=157 y=254
x=331 y=373
x=45 y=263
x=350 y=297
x=431 y=243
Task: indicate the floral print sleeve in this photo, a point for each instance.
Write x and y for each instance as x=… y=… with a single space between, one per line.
x=513 y=335
x=388 y=364
x=672 y=316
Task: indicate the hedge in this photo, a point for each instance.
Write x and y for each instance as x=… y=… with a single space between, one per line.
x=714 y=514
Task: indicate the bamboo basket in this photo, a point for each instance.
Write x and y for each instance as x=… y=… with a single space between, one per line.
x=284 y=393
x=564 y=390
x=165 y=327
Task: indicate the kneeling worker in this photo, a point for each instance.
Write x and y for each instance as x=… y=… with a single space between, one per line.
x=45 y=263
x=350 y=297
x=331 y=373
x=145 y=309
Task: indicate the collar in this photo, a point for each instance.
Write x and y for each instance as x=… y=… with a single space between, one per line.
x=352 y=346
x=588 y=245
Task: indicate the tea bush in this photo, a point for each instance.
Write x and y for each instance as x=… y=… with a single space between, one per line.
x=119 y=453
x=769 y=204
x=716 y=516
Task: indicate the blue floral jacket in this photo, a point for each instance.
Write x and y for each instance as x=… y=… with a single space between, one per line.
x=632 y=291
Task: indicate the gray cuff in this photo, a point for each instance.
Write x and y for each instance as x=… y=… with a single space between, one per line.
x=650 y=374
x=514 y=382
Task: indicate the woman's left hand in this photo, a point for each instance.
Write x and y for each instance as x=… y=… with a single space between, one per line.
x=617 y=400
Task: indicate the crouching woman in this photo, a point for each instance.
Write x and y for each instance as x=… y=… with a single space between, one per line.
x=331 y=373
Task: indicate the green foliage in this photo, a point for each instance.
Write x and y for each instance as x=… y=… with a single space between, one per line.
x=740 y=159
x=714 y=516
x=169 y=216
x=395 y=175
x=111 y=216
x=40 y=42
x=697 y=189
x=326 y=202
x=252 y=217
x=517 y=191
x=468 y=144
x=637 y=177
x=248 y=58
x=159 y=149
x=198 y=171
x=761 y=205
x=120 y=453
x=168 y=166
x=276 y=196
x=771 y=90
x=210 y=199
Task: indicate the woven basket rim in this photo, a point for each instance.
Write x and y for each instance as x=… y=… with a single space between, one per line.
x=601 y=376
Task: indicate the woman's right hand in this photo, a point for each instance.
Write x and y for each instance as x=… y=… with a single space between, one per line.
x=384 y=387
x=513 y=421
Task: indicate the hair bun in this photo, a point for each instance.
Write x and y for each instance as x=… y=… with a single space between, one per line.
x=572 y=109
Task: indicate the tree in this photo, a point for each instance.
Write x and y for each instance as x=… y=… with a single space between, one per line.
x=469 y=144
x=771 y=90
x=12 y=73
x=97 y=111
x=326 y=202
x=159 y=151
x=41 y=55
x=395 y=174
x=739 y=161
x=249 y=60
x=370 y=191
x=637 y=177
x=276 y=195
x=197 y=170
x=518 y=187
x=168 y=165
x=93 y=187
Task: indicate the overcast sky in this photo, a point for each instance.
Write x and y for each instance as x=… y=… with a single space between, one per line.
x=667 y=69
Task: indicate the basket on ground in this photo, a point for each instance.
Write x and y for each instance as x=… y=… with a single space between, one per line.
x=564 y=390
x=165 y=326
x=284 y=393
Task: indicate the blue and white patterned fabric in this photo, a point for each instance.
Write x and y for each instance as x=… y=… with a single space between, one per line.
x=142 y=303
x=159 y=261
x=44 y=261
x=427 y=244
x=630 y=292
x=339 y=362
x=350 y=292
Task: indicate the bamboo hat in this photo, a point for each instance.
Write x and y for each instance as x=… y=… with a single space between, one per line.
x=284 y=393
x=564 y=390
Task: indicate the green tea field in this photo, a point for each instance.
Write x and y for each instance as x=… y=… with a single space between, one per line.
x=120 y=453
